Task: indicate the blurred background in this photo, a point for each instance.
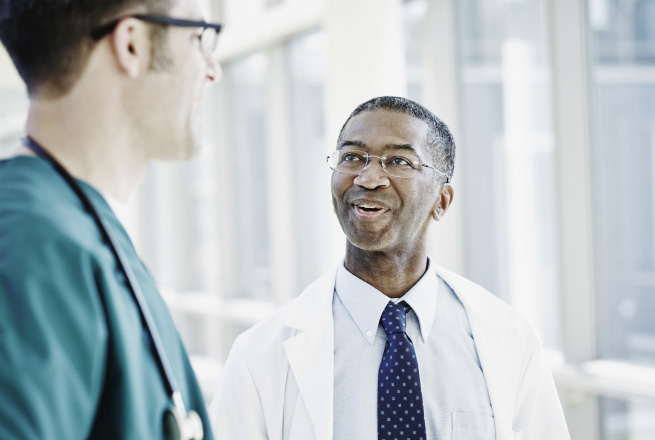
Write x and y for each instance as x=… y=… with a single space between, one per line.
x=552 y=103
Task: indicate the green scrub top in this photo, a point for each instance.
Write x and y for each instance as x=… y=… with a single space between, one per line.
x=75 y=360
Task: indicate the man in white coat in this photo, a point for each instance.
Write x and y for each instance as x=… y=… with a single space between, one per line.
x=389 y=345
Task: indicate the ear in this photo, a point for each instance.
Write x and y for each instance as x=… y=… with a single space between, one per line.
x=446 y=193
x=131 y=46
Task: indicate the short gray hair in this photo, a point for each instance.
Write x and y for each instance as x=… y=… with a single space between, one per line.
x=440 y=139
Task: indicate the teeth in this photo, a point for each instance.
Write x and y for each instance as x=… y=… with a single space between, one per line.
x=369 y=207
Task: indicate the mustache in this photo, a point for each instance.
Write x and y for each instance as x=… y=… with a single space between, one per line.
x=367 y=197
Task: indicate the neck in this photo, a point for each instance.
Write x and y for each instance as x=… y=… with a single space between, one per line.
x=392 y=273
x=83 y=138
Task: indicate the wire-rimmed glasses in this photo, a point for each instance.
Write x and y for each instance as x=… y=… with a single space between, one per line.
x=402 y=164
x=207 y=35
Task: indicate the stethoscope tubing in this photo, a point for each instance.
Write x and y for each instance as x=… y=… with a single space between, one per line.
x=107 y=234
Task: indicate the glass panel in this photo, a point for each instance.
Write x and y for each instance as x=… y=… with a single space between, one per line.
x=481 y=31
x=178 y=213
x=506 y=156
x=413 y=17
x=623 y=31
x=623 y=134
x=246 y=85
x=628 y=420
x=622 y=78
x=307 y=64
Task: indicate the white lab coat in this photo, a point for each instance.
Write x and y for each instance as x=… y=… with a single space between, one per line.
x=277 y=382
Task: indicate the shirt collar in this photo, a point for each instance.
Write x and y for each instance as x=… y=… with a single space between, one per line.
x=365 y=303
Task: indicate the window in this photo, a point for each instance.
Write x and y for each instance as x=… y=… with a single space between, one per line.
x=237 y=231
x=247 y=85
x=506 y=156
x=627 y=419
x=307 y=59
x=622 y=83
x=413 y=16
x=623 y=92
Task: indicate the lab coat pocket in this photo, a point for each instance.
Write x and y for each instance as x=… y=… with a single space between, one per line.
x=473 y=427
x=518 y=435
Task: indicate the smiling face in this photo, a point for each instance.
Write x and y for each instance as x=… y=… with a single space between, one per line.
x=378 y=212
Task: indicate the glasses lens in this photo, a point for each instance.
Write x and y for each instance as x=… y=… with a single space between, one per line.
x=354 y=161
x=348 y=161
x=208 y=40
x=402 y=165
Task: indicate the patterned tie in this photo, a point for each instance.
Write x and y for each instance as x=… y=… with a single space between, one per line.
x=400 y=404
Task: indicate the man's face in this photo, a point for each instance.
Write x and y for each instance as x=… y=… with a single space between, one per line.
x=177 y=91
x=378 y=212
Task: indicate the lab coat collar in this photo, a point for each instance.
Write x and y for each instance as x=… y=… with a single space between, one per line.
x=310 y=352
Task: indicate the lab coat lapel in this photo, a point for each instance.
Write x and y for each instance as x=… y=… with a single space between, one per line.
x=500 y=351
x=311 y=351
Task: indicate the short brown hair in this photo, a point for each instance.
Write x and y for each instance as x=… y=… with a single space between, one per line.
x=49 y=40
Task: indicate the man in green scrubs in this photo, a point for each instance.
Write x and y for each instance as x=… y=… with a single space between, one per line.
x=113 y=85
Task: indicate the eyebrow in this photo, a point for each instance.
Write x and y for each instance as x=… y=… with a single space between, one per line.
x=407 y=147
x=352 y=144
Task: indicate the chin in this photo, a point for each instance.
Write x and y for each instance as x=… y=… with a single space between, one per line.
x=186 y=148
x=194 y=142
x=366 y=246
x=192 y=150
x=370 y=242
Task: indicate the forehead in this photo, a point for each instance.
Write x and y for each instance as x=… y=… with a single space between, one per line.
x=378 y=128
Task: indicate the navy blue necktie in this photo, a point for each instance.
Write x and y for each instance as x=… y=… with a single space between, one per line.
x=400 y=403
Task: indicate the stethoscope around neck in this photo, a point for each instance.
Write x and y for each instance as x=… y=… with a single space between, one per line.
x=177 y=422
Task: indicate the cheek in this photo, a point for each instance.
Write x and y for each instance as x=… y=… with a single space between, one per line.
x=339 y=185
x=417 y=201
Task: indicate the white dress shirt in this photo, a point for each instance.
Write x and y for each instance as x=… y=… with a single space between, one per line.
x=455 y=397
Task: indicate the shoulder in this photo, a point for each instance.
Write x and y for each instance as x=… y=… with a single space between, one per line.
x=486 y=308
x=51 y=249
x=468 y=290
x=38 y=210
x=52 y=322
x=313 y=305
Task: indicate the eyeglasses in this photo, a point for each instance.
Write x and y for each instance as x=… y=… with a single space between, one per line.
x=208 y=34
x=401 y=164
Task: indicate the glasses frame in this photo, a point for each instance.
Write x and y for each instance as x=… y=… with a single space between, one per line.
x=102 y=31
x=384 y=167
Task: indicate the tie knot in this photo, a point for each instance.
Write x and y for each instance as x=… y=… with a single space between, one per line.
x=394 y=317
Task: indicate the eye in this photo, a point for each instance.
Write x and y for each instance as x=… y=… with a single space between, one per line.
x=352 y=157
x=199 y=35
x=399 y=161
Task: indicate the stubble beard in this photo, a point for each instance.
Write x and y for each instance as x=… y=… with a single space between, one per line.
x=366 y=241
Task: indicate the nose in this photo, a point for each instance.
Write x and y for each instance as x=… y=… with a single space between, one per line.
x=214 y=71
x=373 y=175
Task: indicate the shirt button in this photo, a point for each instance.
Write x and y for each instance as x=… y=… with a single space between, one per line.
x=369 y=333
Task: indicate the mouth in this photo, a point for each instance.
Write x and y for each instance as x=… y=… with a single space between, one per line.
x=369 y=209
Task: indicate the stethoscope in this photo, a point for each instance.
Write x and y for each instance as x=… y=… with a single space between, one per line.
x=178 y=423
